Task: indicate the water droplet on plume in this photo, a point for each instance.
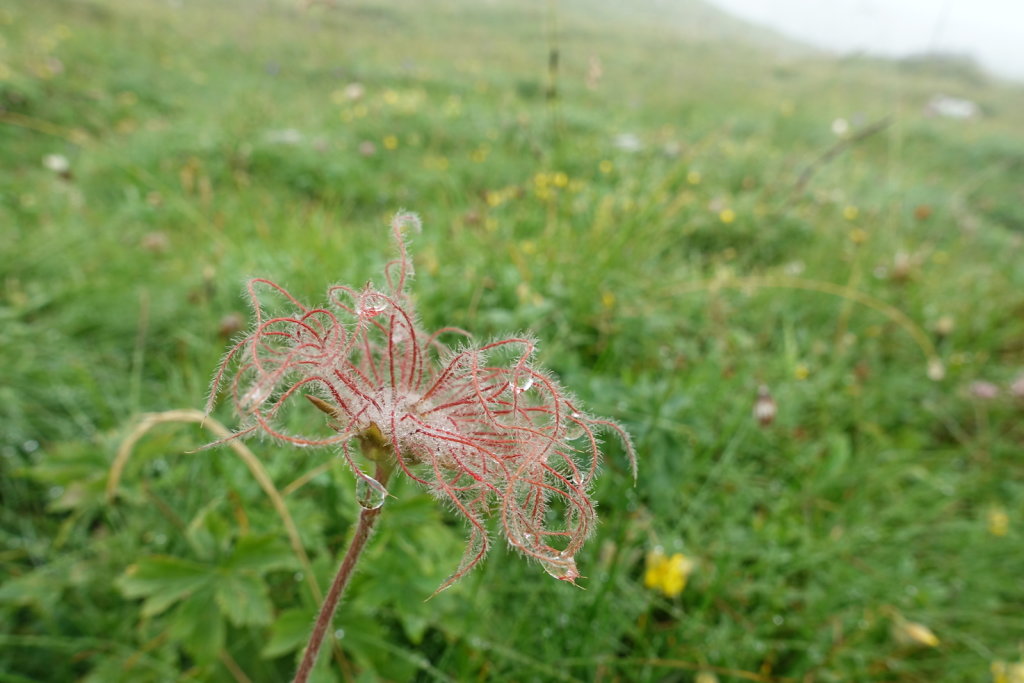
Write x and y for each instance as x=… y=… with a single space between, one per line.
x=520 y=389
x=370 y=494
x=371 y=310
x=562 y=568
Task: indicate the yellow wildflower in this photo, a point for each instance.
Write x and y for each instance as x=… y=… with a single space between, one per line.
x=453 y=106
x=693 y=177
x=390 y=142
x=998 y=521
x=667 y=574
x=727 y=215
x=435 y=163
x=606 y=167
x=858 y=236
x=850 y=213
x=1003 y=672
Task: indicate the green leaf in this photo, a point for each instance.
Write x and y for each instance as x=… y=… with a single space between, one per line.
x=368 y=641
x=243 y=599
x=79 y=469
x=163 y=580
x=42 y=587
x=289 y=633
x=415 y=626
x=261 y=554
x=208 y=532
x=197 y=628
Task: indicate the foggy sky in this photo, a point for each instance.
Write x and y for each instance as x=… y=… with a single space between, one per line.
x=991 y=31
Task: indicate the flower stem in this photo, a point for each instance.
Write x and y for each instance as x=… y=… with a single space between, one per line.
x=367 y=520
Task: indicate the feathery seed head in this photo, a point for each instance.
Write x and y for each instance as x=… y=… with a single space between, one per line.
x=480 y=426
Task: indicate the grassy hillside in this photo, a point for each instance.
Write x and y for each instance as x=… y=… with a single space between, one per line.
x=681 y=208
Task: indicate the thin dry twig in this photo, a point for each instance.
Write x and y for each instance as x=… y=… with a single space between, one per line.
x=838 y=148
x=259 y=473
x=233 y=667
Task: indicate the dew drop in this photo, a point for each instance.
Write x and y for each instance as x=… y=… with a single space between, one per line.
x=30 y=446
x=371 y=310
x=573 y=431
x=371 y=304
x=562 y=567
x=370 y=494
x=778 y=620
x=520 y=389
x=339 y=634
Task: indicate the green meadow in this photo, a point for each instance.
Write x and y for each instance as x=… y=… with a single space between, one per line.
x=682 y=208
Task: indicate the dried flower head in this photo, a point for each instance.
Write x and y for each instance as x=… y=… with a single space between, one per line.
x=481 y=427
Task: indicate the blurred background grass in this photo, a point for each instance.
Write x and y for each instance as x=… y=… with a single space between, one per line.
x=636 y=184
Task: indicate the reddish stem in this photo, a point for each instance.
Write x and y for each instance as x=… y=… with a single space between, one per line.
x=367 y=519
